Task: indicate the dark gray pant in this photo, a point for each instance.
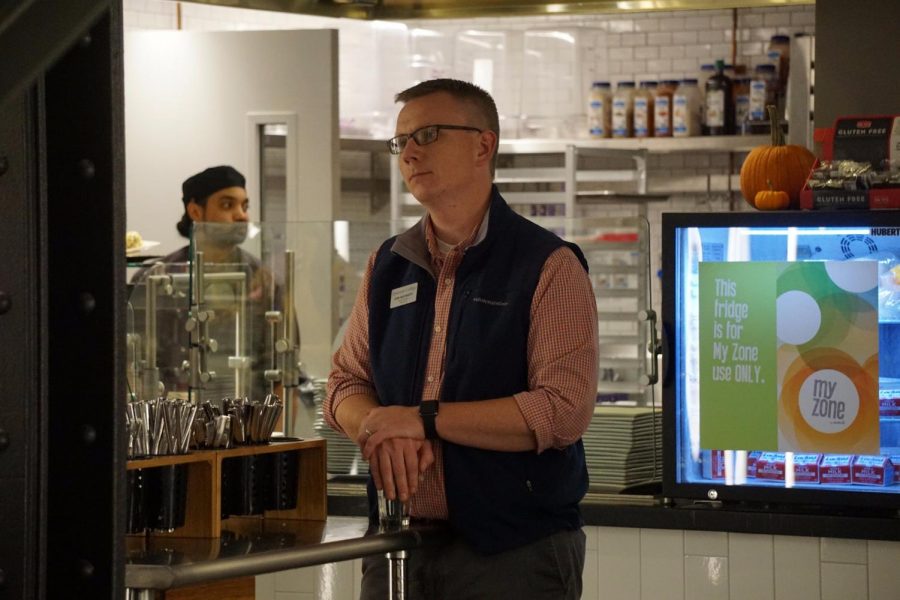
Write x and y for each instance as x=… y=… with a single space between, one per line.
x=548 y=569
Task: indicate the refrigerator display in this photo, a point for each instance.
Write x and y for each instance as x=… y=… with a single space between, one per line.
x=784 y=357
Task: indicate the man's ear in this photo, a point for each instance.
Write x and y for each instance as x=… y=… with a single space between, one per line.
x=195 y=211
x=487 y=145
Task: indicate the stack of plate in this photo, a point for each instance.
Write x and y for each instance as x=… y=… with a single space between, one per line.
x=344 y=457
x=623 y=446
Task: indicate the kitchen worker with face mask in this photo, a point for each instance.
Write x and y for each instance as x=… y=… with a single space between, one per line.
x=216 y=215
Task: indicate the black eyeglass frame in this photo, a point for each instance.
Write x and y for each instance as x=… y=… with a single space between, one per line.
x=398 y=143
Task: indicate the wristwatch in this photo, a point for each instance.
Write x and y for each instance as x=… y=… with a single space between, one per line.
x=428 y=410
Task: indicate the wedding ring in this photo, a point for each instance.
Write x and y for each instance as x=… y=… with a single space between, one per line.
x=369 y=433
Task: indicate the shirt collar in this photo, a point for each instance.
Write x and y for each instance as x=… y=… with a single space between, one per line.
x=477 y=235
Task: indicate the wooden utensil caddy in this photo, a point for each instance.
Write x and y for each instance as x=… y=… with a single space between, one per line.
x=203 y=518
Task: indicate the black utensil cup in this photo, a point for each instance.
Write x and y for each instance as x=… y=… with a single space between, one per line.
x=244 y=483
x=283 y=486
x=136 y=511
x=166 y=497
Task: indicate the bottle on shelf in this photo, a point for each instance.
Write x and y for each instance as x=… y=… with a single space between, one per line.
x=730 y=71
x=741 y=104
x=600 y=110
x=644 y=109
x=762 y=94
x=774 y=58
x=623 y=110
x=779 y=53
x=662 y=107
x=719 y=103
x=706 y=71
x=686 y=109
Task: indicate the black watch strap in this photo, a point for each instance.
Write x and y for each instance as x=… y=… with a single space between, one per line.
x=428 y=410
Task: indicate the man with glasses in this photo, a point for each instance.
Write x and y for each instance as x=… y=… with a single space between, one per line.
x=468 y=371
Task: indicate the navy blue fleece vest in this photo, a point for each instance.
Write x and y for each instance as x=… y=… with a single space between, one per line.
x=496 y=500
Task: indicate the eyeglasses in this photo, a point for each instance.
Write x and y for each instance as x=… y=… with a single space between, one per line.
x=423 y=136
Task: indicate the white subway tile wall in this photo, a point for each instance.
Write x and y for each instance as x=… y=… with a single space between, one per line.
x=841 y=581
x=884 y=576
x=662 y=554
x=643 y=46
x=622 y=563
x=618 y=565
x=844 y=551
x=754 y=579
x=626 y=563
x=797 y=568
x=706 y=577
x=705 y=543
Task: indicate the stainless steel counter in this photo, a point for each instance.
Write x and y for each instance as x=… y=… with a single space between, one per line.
x=251 y=546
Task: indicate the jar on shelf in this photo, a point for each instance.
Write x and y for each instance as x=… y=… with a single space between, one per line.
x=741 y=104
x=623 y=110
x=644 y=109
x=686 y=109
x=762 y=92
x=662 y=107
x=600 y=110
x=779 y=53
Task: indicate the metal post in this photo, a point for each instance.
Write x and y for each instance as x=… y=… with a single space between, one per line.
x=397 y=583
x=393 y=515
x=198 y=326
x=150 y=387
x=131 y=594
x=289 y=346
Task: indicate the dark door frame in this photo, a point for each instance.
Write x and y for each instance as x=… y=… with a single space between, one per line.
x=62 y=286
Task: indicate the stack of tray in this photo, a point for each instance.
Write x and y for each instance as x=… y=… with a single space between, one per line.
x=623 y=446
x=344 y=457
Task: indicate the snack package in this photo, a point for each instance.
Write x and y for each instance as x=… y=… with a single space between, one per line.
x=845 y=175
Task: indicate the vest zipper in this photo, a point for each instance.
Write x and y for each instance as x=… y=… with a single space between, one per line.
x=424 y=332
x=453 y=326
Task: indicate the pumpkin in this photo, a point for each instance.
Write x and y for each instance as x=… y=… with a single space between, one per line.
x=771 y=199
x=785 y=167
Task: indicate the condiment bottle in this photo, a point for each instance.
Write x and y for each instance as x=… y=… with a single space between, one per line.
x=741 y=104
x=662 y=107
x=782 y=45
x=706 y=71
x=719 y=103
x=686 y=109
x=762 y=91
x=644 y=109
x=600 y=110
x=623 y=110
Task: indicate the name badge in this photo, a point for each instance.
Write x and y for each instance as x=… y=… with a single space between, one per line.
x=404 y=295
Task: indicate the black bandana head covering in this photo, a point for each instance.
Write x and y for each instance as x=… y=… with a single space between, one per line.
x=201 y=186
